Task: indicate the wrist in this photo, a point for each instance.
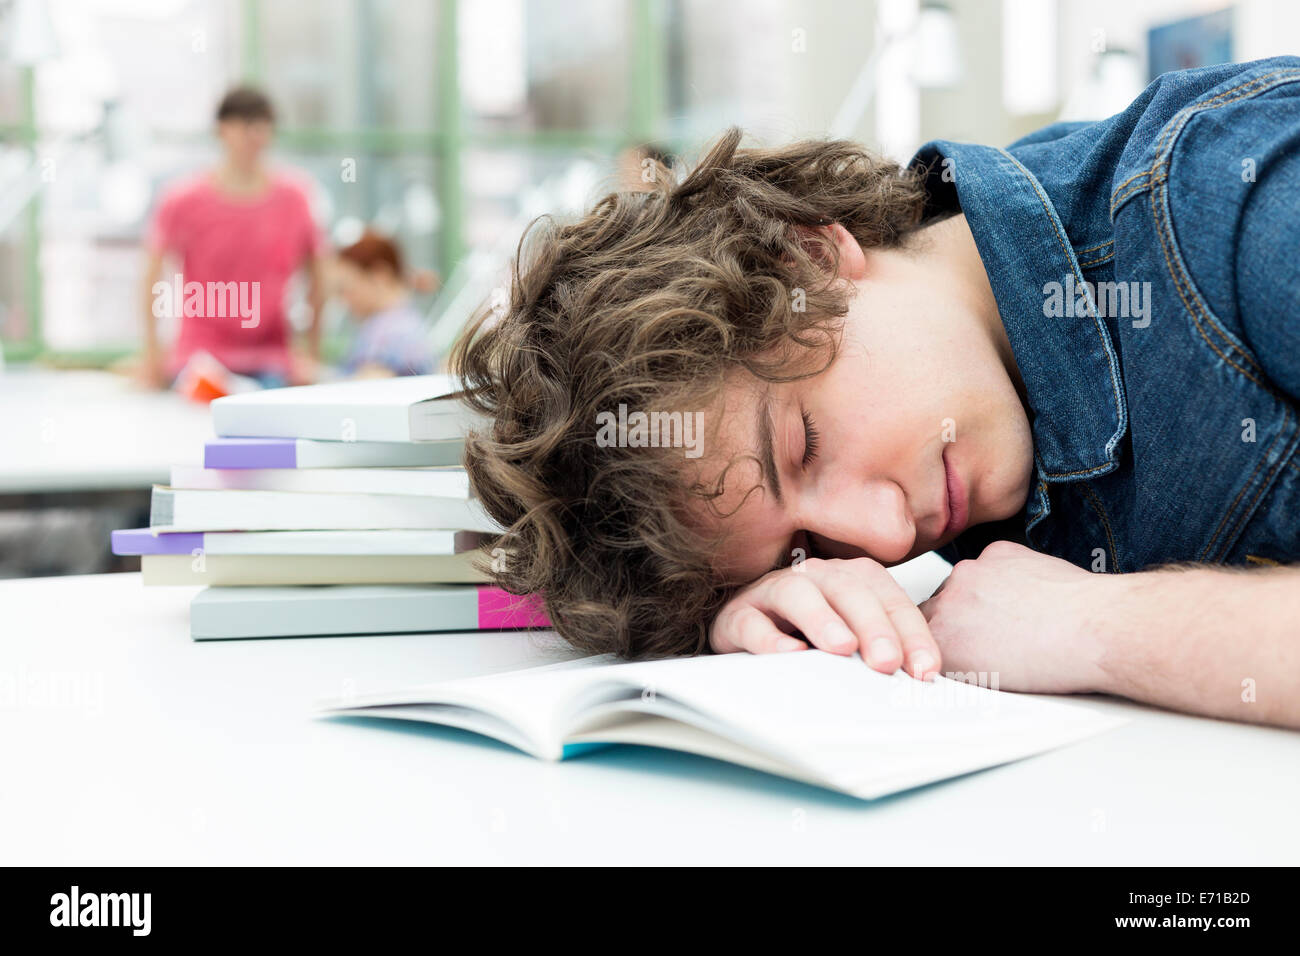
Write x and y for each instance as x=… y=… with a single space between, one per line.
x=1122 y=649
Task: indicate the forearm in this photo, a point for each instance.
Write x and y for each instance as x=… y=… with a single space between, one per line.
x=1210 y=641
x=314 y=330
x=150 y=332
x=150 y=320
x=316 y=302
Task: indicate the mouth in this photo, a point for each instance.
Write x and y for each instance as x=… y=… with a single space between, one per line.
x=956 y=501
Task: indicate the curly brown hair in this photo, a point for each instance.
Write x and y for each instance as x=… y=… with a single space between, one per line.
x=650 y=300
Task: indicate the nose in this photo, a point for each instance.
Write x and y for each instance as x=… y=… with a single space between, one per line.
x=853 y=519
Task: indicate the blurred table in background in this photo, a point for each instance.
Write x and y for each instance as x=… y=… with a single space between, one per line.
x=79 y=451
x=71 y=431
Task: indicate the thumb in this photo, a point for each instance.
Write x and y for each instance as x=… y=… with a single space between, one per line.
x=928 y=606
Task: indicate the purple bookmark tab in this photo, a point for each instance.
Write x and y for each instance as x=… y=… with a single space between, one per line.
x=143 y=541
x=251 y=453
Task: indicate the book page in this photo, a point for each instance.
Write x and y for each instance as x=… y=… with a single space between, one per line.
x=534 y=701
x=818 y=717
x=864 y=732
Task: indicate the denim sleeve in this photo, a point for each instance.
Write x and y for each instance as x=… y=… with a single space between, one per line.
x=1267 y=267
x=1049 y=133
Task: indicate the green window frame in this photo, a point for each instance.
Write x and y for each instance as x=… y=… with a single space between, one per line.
x=445 y=141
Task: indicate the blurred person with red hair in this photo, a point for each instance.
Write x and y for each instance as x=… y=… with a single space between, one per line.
x=373 y=284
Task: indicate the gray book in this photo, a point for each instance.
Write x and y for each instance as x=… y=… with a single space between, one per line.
x=204 y=509
x=222 y=613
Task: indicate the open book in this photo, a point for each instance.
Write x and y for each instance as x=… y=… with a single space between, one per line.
x=821 y=718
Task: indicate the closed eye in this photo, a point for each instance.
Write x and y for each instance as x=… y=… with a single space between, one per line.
x=811 y=440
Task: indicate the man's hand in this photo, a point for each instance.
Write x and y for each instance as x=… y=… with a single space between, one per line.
x=1036 y=621
x=838 y=605
x=1200 y=639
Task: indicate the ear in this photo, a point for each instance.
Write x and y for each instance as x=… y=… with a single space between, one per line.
x=853 y=260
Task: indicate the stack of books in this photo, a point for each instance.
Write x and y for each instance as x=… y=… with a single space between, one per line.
x=330 y=509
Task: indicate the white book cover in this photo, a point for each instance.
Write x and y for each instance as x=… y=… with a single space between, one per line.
x=264 y=570
x=821 y=718
x=142 y=541
x=403 y=409
x=450 y=482
x=191 y=509
x=397 y=542
x=313 y=453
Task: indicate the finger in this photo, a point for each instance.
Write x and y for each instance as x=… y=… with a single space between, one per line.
x=920 y=650
x=856 y=600
x=749 y=629
x=796 y=598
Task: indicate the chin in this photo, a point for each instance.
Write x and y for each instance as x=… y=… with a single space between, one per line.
x=1013 y=501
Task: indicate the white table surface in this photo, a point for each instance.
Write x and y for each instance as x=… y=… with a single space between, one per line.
x=124 y=742
x=92 y=431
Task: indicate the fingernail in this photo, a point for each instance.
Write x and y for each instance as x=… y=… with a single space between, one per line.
x=789 y=644
x=837 y=635
x=880 y=651
x=922 y=661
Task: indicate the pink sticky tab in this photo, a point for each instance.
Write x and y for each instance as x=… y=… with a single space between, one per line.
x=498 y=609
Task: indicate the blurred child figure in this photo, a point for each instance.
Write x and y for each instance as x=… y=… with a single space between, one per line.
x=392 y=338
x=238 y=233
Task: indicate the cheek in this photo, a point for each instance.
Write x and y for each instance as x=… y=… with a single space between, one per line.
x=356 y=295
x=1019 y=467
x=1004 y=464
x=878 y=415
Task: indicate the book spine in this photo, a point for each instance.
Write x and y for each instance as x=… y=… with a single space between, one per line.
x=499 y=610
x=251 y=454
x=141 y=541
x=325 y=422
x=218 y=613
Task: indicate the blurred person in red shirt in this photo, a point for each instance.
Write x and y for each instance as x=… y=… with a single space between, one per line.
x=238 y=233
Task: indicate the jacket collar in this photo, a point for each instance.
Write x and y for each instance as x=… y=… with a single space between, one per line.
x=1070 y=370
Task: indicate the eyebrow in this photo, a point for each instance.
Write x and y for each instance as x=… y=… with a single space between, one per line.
x=766 y=458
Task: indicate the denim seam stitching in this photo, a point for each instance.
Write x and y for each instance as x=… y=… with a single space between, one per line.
x=1105 y=523
x=1100 y=245
x=1268 y=479
x=1192 y=301
x=1095 y=470
x=1096 y=262
x=1286 y=419
x=1044 y=499
x=1175 y=124
x=1165 y=224
x=1118 y=200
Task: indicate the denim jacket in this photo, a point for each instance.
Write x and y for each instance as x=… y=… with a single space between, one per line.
x=1147 y=270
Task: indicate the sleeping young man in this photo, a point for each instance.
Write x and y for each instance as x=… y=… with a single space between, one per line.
x=725 y=405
